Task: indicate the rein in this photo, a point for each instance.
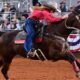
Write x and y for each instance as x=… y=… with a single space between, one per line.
x=71 y=27
x=77 y=17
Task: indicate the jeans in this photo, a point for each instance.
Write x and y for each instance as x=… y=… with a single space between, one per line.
x=30 y=30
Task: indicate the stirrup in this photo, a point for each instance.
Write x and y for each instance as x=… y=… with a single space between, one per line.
x=31 y=54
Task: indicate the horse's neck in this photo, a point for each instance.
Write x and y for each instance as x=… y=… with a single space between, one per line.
x=64 y=32
x=60 y=29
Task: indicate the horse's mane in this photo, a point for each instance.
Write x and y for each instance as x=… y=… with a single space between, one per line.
x=58 y=28
x=58 y=22
x=77 y=9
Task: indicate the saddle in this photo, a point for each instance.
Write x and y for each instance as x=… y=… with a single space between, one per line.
x=40 y=32
x=39 y=28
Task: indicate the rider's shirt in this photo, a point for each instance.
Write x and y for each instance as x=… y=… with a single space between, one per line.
x=43 y=15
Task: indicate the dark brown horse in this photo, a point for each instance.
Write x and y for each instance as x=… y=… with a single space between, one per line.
x=54 y=45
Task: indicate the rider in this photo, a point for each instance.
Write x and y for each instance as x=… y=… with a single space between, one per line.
x=43 y=12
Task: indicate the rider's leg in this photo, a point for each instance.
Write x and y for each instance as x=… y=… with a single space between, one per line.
x=28 y=45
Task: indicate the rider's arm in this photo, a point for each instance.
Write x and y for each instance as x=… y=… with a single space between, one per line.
x=51 y=18
x=65 y=16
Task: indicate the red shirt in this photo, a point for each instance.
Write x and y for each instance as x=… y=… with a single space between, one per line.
x=43 y=15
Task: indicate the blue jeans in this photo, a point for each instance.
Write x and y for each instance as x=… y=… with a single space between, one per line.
x=30 y=30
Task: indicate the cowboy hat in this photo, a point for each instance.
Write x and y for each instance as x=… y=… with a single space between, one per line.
x=52 y=5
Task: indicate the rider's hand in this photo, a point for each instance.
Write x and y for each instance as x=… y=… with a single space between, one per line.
x=65 y=16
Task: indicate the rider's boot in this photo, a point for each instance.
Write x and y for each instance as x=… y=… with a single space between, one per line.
x=31 y=53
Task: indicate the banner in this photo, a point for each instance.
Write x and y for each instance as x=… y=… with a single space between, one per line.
x=74 y=42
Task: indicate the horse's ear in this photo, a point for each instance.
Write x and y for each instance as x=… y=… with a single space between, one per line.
x=77 y=9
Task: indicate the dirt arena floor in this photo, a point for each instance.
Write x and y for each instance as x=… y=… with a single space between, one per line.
x=25 y=69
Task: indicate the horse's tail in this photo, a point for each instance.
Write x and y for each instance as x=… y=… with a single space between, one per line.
x=9 y=36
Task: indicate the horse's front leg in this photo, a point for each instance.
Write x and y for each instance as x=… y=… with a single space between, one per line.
x=5 y=69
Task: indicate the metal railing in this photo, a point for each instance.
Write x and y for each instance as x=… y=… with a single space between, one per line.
x=20 y=5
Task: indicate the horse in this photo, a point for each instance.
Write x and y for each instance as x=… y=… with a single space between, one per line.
x=54 y=45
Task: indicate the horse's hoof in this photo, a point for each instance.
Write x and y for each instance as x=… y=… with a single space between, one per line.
x=7 y=79
x=78 y=75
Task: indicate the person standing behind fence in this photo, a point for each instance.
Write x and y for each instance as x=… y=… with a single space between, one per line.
x=5 y=11
x=13 y=9
x=31 y=8
x=78 y=2
x=63 y=7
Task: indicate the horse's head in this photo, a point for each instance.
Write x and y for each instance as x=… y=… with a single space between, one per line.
x=73 y=20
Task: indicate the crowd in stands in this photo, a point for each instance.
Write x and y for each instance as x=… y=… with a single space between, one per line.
x=10 y=18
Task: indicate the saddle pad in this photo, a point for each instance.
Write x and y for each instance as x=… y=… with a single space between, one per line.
x=19 y=41
x=39 y=40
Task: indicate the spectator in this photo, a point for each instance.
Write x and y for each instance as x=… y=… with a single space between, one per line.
x=71 y=9
x=37 y=4
x=5 y=11
x=5 y=25
x=78 y=2
x=13 y=9
x=16 y=23
x=63 y=7
x=34 y=2
x=23 y=18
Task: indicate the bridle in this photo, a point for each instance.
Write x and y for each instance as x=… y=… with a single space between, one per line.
x=71 y=27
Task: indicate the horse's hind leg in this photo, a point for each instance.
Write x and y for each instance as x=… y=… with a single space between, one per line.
x=71 y=58
x=76 y=65
x=1 y=63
